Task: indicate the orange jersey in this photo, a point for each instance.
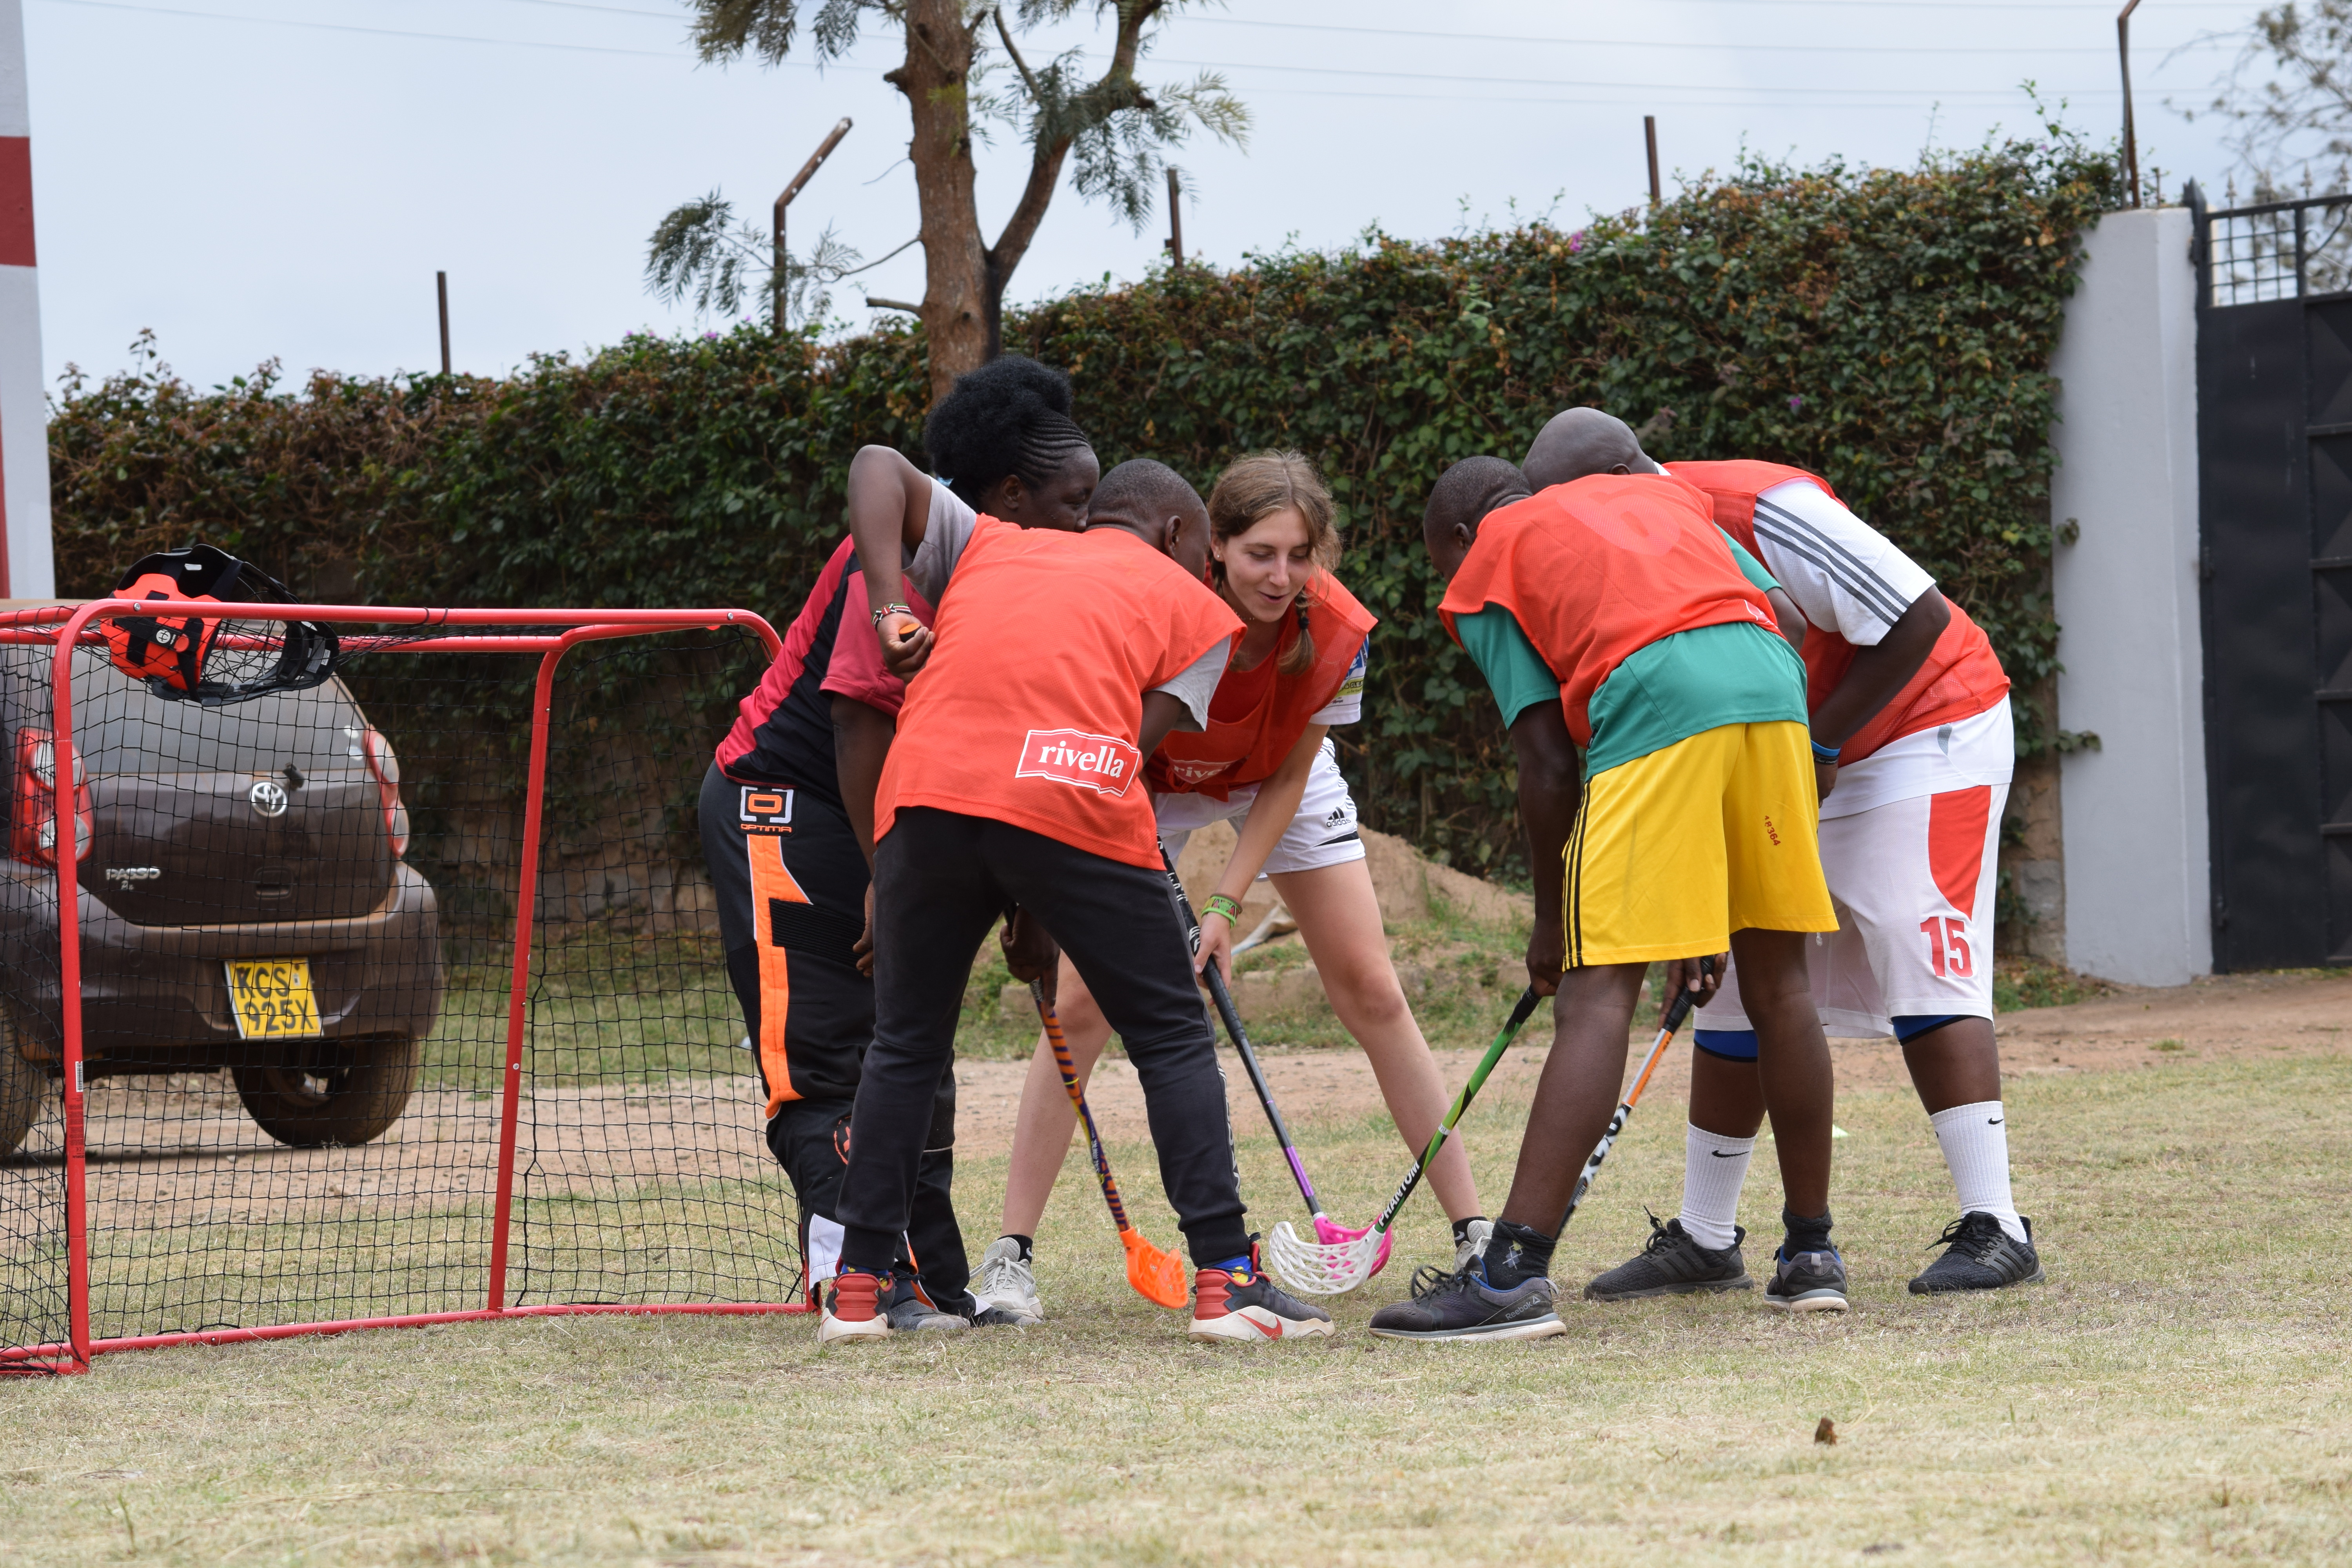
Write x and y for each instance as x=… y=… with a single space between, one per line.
x=1962 y=675
x=1596 y=570
x=1247 y=747
x=1031 y=707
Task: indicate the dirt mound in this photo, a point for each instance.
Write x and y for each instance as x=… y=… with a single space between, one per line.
x=1402 y=877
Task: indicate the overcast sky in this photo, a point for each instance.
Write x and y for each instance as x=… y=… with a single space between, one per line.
x=282 y=178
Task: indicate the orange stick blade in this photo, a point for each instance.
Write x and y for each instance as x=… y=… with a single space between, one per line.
x=1156 y=1275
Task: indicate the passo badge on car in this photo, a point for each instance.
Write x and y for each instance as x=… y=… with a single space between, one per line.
x=268 y=798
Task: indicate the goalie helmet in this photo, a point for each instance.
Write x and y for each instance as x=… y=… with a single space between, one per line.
x=183 y=653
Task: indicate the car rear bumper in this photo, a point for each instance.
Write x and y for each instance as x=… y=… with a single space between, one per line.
x=155 y=998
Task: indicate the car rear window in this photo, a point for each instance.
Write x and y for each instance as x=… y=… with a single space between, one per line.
x=123 y=728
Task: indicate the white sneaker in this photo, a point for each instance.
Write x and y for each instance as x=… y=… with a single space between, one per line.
x=1005 y=1283
x=1473 y=1243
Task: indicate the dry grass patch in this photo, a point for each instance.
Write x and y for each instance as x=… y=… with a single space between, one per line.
x=2178 y=1392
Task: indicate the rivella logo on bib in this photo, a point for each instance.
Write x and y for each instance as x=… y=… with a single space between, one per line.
x=1097 y=762
x=1190 y=773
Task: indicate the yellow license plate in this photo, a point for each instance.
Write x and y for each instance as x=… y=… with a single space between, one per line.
x=272 y=998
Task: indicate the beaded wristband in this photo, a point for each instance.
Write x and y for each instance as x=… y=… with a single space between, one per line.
x=1219 y=904
x=1825 y=754
x=891 y=609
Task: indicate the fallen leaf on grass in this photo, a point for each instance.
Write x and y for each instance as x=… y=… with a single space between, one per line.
x=1826 y=1432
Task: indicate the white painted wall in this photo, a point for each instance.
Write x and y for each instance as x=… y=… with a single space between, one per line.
x=2138 y=894
x=24 y=419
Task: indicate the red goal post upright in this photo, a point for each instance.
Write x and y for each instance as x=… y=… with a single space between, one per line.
x=551 y=634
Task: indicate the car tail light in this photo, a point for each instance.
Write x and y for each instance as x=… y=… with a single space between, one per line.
x=33 y=835
x=384 y=763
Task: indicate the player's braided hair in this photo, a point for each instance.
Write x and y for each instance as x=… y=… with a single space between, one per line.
x=1254 y=488
x=1012 y=416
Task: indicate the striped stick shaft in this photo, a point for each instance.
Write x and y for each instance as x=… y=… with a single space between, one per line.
x=1069 y=1071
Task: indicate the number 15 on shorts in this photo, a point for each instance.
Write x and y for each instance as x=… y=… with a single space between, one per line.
x=1948 y=946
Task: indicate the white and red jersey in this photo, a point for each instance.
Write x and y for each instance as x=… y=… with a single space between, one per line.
x=1937 y=734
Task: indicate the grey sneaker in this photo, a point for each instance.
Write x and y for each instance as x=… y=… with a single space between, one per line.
x=1007 y=1283
x=1809 y=1282
x=1672 y=1263
x=1462 y=1306
x=1473 y=1243
x=911 y=1311
x=1979 y=1256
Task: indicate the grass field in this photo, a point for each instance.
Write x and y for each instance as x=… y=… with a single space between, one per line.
x=2181 y=1390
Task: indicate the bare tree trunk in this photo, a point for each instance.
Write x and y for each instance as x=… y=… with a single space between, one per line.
x=959 y=305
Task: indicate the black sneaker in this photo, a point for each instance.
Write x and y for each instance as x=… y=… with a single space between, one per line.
x=1672 y=1263
x=1809 y=1282
x=1463 y=1306
x=998 y=1318
x=1979 y=1256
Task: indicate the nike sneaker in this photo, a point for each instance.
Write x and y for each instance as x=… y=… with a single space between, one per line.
x=1463 y=1306
x=1007 y=1283
x=1674 y=1263
x=1241 y=1303
x=1473 y=1243
x=1980 y=1256
x=853 y=1309
x=1809 y=1282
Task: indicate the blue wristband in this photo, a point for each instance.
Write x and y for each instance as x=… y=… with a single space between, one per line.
x=1824 y=753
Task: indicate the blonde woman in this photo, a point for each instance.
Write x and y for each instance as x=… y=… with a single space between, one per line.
x=1264 y=763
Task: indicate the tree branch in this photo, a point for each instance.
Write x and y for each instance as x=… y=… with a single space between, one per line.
x=1114 y=90
x=1028 y=78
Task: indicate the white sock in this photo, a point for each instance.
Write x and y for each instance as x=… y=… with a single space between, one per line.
x=1714 y=1170
x=1976 y=1149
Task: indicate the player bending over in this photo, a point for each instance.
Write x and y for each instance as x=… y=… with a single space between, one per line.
x=1061 y=662
x=787 y=820
x=1911 y=725
x=1613 y=614
x=1263 y=764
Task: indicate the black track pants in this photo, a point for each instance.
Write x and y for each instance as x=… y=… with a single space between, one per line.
x=791 y=882
x=941 y=880
x=810 y=1138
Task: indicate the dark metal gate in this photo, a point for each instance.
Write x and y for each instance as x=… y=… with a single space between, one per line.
x=2274 y=452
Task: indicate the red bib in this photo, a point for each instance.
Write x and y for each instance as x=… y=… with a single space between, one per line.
x=1962 y=676
x=1031 y=707
x=1249 y=747
x=1599 y=568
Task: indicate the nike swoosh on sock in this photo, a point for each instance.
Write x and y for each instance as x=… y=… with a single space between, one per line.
x=1727 y=1154
x=1992 y=1120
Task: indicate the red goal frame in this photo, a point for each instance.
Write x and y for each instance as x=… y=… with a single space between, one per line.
x=67 y=625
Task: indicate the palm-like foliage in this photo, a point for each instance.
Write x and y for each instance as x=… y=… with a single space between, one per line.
x=1116 y=131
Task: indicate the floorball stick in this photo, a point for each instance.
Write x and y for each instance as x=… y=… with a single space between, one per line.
x=1667 y=1028
x=1324 y=1226
x=1156 y=1275
x=1323 y=1270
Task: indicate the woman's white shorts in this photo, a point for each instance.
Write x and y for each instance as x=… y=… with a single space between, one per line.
x=1323 y=833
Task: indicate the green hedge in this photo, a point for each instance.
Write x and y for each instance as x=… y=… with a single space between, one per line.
x=1889 y=329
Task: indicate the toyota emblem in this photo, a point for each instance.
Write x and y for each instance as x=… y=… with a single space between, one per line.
x=268 y=798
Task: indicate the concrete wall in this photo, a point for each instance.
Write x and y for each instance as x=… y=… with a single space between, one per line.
x=26 y=569
x=2137 y=895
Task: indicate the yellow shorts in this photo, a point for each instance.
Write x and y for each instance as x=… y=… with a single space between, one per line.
x=1674 y=851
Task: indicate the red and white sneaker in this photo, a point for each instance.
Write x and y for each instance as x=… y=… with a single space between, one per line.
x=853 y=1309
x=1245 y=1304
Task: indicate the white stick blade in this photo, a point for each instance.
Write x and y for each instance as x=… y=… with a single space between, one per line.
x=1320 y=1269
